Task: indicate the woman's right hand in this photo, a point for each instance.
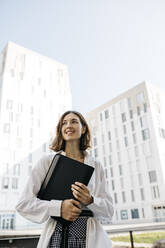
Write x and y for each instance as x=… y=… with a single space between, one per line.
x=70 y=209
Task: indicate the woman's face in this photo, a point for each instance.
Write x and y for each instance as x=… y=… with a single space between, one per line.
x=72 y=128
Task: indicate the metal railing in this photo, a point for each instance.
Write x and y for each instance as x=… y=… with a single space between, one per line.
x=130 y=228
x=29 y=238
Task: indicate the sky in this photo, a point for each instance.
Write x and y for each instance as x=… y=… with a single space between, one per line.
x=109 y=46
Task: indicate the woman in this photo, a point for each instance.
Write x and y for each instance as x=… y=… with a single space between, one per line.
x=72 y=139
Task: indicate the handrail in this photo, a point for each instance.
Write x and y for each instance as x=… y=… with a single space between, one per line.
x=130 y=228
x=110 y=229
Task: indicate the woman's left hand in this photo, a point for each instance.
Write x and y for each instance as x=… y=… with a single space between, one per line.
x=82 y=193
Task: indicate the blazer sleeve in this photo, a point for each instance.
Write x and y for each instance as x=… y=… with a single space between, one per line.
x=102 y=205
x=29 y=206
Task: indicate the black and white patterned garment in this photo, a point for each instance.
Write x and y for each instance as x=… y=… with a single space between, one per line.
x=76 y=234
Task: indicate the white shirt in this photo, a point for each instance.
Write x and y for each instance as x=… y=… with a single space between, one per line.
x=39 y=211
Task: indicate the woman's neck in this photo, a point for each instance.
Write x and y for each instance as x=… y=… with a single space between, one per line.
x=72 y=150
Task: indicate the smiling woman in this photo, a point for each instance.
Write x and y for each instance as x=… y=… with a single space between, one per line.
x=72 y=140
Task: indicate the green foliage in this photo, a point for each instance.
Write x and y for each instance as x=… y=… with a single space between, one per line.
x=149 y=237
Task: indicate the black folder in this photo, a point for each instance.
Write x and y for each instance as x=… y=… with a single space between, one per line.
x=63 y=172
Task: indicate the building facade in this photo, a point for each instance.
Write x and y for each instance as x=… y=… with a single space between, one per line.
x=128 y=137
x=34 y=92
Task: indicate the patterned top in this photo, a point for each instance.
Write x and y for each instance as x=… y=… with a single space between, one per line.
x=76 y=234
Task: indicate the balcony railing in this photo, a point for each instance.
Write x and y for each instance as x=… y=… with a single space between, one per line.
x=29 y=238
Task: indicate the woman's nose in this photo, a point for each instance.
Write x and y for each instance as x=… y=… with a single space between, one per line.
x=69 y=124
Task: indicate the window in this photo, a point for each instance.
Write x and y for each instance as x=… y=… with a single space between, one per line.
x=123 y=197
x=119 y=156
x=102 y=137
x=14 y=183
x=30 y=158
x=113 y=184
x=9 y=104
x=145 y=107
x=134 y=213
x=105 y=162
x=115 y=198
x=106 y=174
x=95 y=152
x=31 y=132
x=143 y=121
x=111 y=171
x=106 y=114
x=124 y=129
x=140 y=179
x=132 y=126
x=132 y=195
x=109 y=135
x=123 y=117
x=138 y=165
x=103 y=149
x=31 y=110
x=122 y=183
x=147 y=148
x=5 y=183
x=38 y=122
x=17 y=170
x=110 y=159
x=136 y=151
x=131 y=114
x=126 y=141
x=39 y=81
x=120 y=170
x=44 y=93
x=12 y=72
x=162 y=133
x=21 y=74
x=134 y=138
x=6 y=221
x=155 y=192
x=95 y=141
x=140 y=97
x=142 y=194
x=143 y=213
x=20 y=107
x=138 y=110
x=11 y=116
x=101 y=117
x=6 y=128
x=145 y=134
x=129 y=102
x=152 y=176
x=117 y=144
x=110 y=147
x=44 y=147
x=116 y=132
x=124 y=215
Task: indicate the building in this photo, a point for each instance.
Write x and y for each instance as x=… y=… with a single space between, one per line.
x=128 y=136
x=34 y=92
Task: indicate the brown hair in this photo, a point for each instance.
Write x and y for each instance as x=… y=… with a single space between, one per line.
x=59 y=143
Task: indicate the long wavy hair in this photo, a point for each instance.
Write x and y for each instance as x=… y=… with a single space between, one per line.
x=58 y=143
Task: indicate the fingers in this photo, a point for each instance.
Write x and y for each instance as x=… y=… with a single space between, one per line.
x=77 y=188
x=76 y=203
x=81 y=185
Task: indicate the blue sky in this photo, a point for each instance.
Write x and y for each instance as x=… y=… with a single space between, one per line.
x=109 y=46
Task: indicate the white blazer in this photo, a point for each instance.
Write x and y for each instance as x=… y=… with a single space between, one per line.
x=39 y=211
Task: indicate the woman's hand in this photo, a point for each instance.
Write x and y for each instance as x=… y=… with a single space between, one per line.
x=70 y=209
x=82 y=193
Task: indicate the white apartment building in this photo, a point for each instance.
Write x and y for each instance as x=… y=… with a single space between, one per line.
x=34 y=92
x=128 y=136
